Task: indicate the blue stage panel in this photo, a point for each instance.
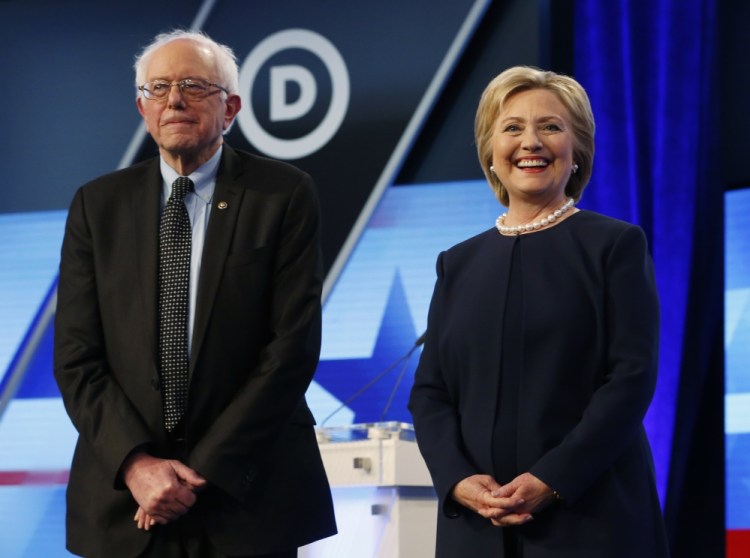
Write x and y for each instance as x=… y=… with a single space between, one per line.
x=737 y=358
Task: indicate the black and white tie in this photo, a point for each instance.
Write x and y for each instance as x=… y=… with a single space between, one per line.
x=174 y=292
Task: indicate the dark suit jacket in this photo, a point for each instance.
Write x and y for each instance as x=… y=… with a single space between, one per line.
x=255 y=348
x=589 y=352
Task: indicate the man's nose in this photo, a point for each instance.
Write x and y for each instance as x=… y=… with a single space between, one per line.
x=175 y=97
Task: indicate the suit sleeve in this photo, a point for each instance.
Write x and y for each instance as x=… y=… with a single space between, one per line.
x=101 y=413
x=229 y=454
x=435 y=413
x=613 y=417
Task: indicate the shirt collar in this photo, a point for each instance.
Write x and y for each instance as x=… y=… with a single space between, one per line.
x=204 y=177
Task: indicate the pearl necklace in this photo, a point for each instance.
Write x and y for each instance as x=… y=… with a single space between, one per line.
x=536 y=225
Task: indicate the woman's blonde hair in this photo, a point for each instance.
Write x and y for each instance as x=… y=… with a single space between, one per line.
x=525 y=78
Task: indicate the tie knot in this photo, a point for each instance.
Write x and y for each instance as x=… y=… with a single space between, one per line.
x=182 y=186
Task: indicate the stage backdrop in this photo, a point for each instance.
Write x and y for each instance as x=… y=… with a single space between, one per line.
x=320 y=88
x=342 y=90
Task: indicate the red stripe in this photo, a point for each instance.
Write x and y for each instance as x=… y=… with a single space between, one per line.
x=26 y=478
x=738 y=543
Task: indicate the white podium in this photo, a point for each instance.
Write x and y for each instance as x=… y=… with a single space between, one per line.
x=385 y=504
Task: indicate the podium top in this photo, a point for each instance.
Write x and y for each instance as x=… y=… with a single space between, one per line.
x=366 y=431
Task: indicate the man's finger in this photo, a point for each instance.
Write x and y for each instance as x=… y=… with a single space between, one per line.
x=188 y=476
x=512 y=520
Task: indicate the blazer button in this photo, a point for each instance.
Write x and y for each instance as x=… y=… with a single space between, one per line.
x=155 y=384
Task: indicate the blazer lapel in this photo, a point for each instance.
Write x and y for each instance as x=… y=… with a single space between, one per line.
x=145 y=208
x=145 y=199
x=221 y=224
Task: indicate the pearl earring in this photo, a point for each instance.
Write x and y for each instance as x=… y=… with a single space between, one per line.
x=574 y=169
x=492 y=169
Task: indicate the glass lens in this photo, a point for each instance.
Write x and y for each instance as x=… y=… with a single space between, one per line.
x=194 y=87
x=159 y=88
x=156 y=89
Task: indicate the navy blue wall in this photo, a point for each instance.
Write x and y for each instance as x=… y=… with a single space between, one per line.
x=68 y=110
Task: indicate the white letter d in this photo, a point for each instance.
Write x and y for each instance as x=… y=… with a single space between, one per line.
x=282 y=110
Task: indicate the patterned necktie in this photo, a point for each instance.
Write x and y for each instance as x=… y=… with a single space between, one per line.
x=174 y=287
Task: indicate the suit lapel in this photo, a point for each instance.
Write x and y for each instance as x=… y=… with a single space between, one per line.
x=225 y=207
x=145 y=207
x=145 y=199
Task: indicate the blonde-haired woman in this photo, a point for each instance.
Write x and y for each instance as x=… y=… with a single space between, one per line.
x=541 y=353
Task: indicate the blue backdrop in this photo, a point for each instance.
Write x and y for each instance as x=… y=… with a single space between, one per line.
x=649 y=68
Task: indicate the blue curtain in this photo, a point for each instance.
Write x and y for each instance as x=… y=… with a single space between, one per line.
x=649 y=68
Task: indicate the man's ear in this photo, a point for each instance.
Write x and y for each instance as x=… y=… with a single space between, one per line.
x=233 y=106
x=139 y=104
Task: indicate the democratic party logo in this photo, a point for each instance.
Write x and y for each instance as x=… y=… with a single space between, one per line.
x=306 y=91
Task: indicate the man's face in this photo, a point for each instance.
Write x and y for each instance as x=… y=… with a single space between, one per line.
x=186 y=129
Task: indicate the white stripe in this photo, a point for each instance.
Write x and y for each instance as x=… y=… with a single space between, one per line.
x=406 y=141
x=737 y=413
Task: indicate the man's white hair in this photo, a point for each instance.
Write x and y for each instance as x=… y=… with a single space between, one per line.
x=227 y=72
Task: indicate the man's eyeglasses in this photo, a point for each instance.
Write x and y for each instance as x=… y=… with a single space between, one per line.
x=190 y=88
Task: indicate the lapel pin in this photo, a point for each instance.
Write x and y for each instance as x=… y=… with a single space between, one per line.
x=222 y=205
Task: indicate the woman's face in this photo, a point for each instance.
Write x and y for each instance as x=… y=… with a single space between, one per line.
x=532 y=146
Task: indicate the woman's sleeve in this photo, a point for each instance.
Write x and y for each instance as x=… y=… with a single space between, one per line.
x=434 y=409
x=613 y=418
